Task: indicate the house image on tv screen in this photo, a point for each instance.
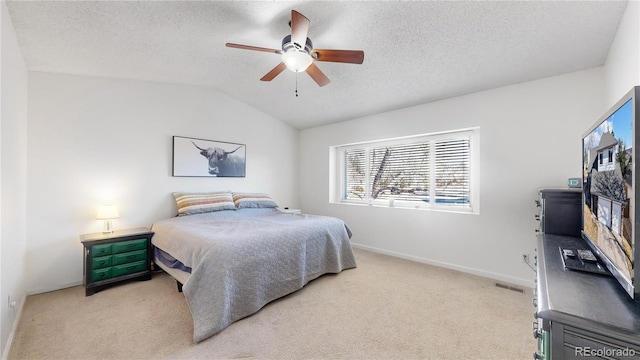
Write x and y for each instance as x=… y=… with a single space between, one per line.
x=607 y=189
x=608 y=194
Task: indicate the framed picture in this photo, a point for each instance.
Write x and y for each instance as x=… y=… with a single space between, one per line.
x=208 y=158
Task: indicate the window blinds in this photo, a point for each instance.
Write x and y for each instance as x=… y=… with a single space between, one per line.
x=430 y=170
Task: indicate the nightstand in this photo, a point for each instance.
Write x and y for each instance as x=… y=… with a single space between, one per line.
x=290 y=211
x=116 y=257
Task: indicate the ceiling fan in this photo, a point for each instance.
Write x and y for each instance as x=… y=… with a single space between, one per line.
x=298 y=54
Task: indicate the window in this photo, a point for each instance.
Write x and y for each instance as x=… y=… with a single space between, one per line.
x=425 y=171
x=610 y=155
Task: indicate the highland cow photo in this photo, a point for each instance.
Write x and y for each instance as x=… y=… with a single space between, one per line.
x=208 y=158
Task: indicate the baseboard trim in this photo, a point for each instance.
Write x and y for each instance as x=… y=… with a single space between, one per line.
x=55 y=288
x=14 y=327
x=464 y=269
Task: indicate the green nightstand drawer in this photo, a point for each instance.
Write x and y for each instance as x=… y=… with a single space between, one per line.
x=101 y=262
x=131 y=268
x=128 y=257
x=101 y=250
x=130 y=245
x=101 y=274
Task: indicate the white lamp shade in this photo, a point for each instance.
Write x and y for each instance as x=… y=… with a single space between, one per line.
x=107 y=212
x=297 y=61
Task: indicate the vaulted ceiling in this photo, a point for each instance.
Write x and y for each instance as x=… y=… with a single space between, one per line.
x=415 y=52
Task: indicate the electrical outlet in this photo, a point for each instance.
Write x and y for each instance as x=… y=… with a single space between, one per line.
x=525 y=258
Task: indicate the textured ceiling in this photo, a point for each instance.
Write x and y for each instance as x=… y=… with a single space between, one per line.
x=415 y=52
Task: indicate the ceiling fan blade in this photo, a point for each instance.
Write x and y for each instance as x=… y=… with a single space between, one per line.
x=317 y=75
x=341 y=56
x=274 y=72
x=247 y=47
x=299 y=29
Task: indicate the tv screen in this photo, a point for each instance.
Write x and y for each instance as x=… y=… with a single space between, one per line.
x=610 y=188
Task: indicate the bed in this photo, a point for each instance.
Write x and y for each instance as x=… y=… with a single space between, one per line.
x=234 y=261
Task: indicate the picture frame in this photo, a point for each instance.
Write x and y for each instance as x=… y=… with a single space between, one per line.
x=194 y=157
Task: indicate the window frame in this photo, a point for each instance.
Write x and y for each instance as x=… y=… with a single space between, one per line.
x=338 y=169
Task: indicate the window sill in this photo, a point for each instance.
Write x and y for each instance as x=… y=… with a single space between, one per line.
x=446 y=209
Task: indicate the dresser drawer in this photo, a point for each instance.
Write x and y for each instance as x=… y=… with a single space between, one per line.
x=129 y=245
x=101 y=274
x=101 y=250
x=130 y=268
x=128 y=257
x=101 y=262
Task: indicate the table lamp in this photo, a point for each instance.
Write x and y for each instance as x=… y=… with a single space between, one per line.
x=106 y=213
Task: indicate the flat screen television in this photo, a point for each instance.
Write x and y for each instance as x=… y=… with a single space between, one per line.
x=611 y=189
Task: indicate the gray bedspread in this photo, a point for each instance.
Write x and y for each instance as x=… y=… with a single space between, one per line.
x=243 y=259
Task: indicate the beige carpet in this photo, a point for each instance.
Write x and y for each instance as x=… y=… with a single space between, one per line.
x=387 y=308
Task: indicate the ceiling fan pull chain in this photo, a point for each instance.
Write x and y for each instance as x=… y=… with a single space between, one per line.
x=296 y=84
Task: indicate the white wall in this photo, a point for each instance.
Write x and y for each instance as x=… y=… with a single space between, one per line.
x=530 y=137
x=622 y=69
x=95 y=140
x=13 y=169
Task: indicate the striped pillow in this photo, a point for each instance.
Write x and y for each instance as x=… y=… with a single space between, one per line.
x=195 y=203
x=253 y=200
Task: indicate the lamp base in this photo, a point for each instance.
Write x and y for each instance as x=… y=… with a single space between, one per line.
x=108 y=228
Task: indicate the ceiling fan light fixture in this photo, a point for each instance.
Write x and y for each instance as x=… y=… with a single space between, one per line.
x=298 y=54
x=297 y=61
